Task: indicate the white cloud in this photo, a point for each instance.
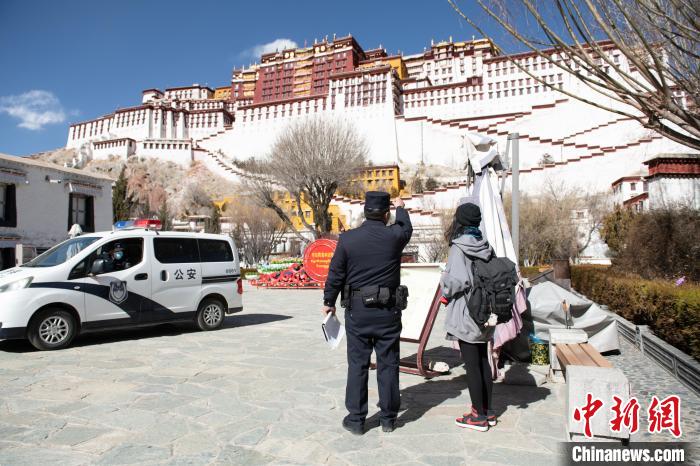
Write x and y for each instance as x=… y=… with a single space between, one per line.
x=275 y=45
x=34 y=109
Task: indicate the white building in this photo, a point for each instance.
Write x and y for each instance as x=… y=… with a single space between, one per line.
x=628 y=187
x=412 y=110
x=674 y=180
x=39 y=202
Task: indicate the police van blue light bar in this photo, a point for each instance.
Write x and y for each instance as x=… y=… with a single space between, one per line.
x=122 y=224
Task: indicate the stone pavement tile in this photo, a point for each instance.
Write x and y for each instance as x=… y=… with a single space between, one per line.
x=154 y=389
x=67 y=408
x=435 y=460
x=196 y=443
x=161 y=403
x=72 y=435
x=517 y=456
x=233 y=454
x=165 y=432
x=551 y=425
x=135 y=454
x=39 y=455
x=292 y=430
x=94 y=412
x=386 y=454
x=301 y=451
x=33 y=436
x=348 y=442
x=128 y=418
x=34 y=420
x=9 y=431
x=197 y=459
x=446 y=444
x=192 y=410
x=251 y=438
x=99 y=445
x=23 y=404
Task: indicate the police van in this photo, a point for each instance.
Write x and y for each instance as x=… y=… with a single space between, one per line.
x=123 y=278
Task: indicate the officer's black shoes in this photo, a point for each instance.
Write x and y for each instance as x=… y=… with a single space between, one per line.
x=388 y=426
x=353 y=427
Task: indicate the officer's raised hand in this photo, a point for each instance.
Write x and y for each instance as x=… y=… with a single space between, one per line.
x=398 y=202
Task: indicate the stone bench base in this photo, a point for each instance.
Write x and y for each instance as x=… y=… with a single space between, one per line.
x=602 y=383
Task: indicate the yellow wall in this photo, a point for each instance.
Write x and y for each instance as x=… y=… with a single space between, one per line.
x=379 y=178
x=285 y=201
x=373 y=178
x=222 y=93
x=398 y=64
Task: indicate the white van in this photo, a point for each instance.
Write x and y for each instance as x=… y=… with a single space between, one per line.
x=123 y=278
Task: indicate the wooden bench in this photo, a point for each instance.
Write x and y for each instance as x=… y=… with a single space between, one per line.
x=580 y=354
x=587 y=373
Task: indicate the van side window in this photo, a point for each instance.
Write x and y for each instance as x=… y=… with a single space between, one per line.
x=212 y=250
x=116 y=255
x=120 y=254
x=176 y=250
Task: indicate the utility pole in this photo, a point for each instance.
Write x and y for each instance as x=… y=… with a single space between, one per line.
x=514 y=138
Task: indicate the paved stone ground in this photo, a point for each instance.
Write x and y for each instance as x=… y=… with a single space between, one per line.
x=648 y=379
x=263 y=390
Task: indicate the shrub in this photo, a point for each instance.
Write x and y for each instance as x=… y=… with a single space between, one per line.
x=672 y=312
x=662 y=243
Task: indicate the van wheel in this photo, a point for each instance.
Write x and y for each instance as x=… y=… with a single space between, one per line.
x=52 y=329
x=210 y=315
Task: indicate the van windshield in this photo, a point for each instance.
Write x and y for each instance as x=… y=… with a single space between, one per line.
x=59 y=254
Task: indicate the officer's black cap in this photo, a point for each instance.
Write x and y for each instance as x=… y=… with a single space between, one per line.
x=377 y=202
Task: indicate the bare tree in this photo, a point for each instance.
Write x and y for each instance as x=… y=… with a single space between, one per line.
x=310 y=160
x=256 y=231
x=437 y=247
x=558 y=224
x=660 y=40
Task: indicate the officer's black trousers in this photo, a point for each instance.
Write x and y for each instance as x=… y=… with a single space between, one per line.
x=368 y=329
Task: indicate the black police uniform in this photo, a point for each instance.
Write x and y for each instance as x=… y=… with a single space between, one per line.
x=365 y=256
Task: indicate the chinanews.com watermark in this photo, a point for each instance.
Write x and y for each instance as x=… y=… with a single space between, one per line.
x=621 y=418
x=637 y=453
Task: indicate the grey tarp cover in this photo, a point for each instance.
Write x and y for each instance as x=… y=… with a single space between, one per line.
x=546 y=306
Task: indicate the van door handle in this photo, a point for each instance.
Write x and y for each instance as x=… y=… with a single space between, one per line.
x=141 y=276
x=164 y=275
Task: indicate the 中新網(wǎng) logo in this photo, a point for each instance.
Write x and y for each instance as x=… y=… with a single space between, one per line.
x=118 y=292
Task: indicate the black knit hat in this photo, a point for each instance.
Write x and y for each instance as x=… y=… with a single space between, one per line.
x=468 y=215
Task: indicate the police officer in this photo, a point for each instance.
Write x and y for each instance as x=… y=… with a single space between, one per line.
x=366 y=268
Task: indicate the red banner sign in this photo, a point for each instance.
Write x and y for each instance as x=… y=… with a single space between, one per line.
x=317 y=258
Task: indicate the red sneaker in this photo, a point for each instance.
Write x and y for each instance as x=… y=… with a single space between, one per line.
x=478 y=423
x=490 y=417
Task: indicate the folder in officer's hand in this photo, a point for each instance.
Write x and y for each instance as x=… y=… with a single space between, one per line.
x=333 y=330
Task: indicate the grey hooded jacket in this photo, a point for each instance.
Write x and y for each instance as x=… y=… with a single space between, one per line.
x=455 y=284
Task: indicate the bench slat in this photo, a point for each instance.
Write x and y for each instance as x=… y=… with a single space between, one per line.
x=566 y=356
x=595 y=355
x=582 y=356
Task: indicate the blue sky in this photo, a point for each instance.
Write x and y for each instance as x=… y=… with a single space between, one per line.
x=66 y=61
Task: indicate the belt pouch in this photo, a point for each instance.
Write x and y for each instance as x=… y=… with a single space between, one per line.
x=370 y=295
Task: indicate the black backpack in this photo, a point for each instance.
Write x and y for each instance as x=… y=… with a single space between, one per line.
x=493 y=289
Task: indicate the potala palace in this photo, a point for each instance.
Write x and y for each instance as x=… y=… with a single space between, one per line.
x=412 y=109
